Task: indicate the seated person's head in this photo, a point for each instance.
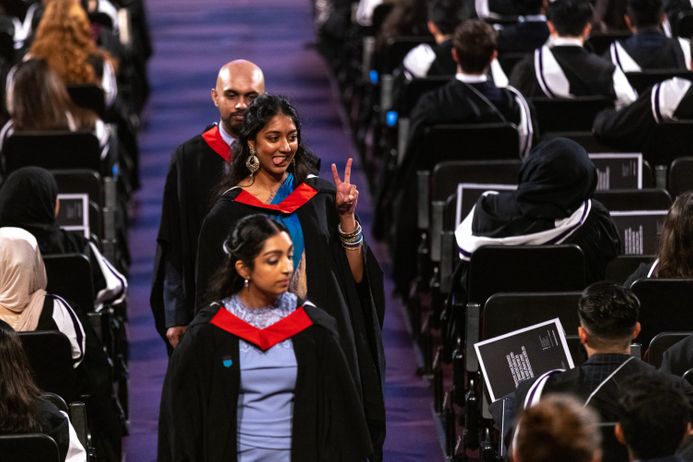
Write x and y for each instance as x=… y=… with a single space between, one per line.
x=558 y=428
x=474 y=46
x=676 y=242
x=641 y=14
x=530 y=7
x=555 y=179
x=17 y=388
x=655 y=416
x=443 y=16
x=608 y=316
x=569 y=18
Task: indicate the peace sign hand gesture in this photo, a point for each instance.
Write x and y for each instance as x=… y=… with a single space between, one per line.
x=347 y=194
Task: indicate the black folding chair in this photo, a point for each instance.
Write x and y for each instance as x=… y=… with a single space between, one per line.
x=51 y=150
x=670 y=140
x=634 y=199
x=665 y=306
x=599 y=42
x=70 y=276
x=584 y=138
x=565 y=115
x=81 y=181
x=50 y=357
x=620 y=268
x=26 y=447
x=509 y=60
x=444 y=142
x=397 y=49
x=661 y=343
x=680 y=176
x=642 y=80
x=89 y=96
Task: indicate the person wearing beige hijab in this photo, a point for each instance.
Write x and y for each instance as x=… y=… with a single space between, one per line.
x=24 y=303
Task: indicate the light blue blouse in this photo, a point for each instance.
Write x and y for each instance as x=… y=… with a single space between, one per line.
x=268 y=380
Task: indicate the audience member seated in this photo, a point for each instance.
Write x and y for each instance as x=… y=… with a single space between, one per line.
x=552 y=205
x=529 y=33
x=558 y=428
x=470 y=97
x=675 y=255
x=24 y=303
x=655 y=417
x=631 y=127
x=563 y=68
x=29 y=200
x=608 y=315
x=23 y=409
x=37 y=100
x=678 y=359
x=648 y=47
x=64 y=40
x=427 y=61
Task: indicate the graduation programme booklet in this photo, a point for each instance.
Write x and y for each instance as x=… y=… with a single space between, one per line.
x=521 y=355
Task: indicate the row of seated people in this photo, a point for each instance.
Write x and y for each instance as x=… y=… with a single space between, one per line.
x=64 y=38
x=28 y=307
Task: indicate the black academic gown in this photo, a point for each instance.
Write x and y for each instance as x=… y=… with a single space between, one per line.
x=651 y=49
x=198 y=417
x=679 y=358
x=195 y=171
x=522 y=37
x=587 y=74
x=632 y=127
x=357 y=309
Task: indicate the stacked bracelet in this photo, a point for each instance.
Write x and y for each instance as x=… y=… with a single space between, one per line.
x=353 y=240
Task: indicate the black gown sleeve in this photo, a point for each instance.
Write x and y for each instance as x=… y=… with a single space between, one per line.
x=628 y=128
x=210 y=253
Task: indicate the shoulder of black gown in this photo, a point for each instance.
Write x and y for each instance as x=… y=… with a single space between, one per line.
x=54 y=424
x=320 y=317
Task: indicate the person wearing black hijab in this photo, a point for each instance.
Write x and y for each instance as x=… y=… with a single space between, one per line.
x=552 y=205
x=29 y=200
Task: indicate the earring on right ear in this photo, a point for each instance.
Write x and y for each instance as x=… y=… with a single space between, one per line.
x=252 y=163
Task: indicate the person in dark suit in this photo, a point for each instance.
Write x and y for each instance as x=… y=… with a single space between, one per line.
x=563 y=68
x=655 y=418
x=648 y=47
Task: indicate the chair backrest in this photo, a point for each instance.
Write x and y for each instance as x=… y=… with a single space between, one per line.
x=89 y=96
x=397 y=49
x=494 y=269
x=509 y=60
x=506 y=312
x=582 y=137
x=57 y=401
x=28 y=447
x=50 y=357
x=641 y=81
x=413 y=90
x=52 y=150
x=634 y=199
x=70 y=276
x=620 y=268
x=665 y=306
x=563 y=114
x=661 y=343
x=447 y=175
x=445 y=142
x=598 y=42
x=670 y=140
x=81 y=181
x=684 y=24
x=680 y=176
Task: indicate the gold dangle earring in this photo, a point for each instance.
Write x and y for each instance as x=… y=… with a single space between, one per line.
x=252 y=163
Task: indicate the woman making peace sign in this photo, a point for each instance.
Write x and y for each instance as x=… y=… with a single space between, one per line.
x=273 y=173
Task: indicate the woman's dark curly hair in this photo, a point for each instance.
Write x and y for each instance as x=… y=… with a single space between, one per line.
x=257 y=116
x=244 y=242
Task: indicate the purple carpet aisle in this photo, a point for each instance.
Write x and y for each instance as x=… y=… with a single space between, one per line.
x=192 y=39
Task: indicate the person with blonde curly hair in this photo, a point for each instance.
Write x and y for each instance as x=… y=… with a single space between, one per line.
x=64 y=39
